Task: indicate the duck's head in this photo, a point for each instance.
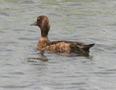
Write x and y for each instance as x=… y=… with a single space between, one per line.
x=43 y=23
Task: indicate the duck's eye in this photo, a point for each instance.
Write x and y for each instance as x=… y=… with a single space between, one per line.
x=38 y=19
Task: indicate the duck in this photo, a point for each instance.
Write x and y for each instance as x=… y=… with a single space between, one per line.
x=60 y=46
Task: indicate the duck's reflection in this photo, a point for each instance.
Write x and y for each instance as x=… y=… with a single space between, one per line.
x=40 y=57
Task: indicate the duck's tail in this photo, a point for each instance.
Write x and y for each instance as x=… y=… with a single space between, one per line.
x=87 y=47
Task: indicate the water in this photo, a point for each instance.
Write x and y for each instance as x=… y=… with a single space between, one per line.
x=89 y=21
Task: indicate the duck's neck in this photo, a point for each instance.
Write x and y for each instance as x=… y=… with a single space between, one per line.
x=44 y=33
x=43 y=41
x=44 y=37
x=44 y=30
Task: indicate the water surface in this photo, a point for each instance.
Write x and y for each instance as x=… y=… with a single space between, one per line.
x=89 y=21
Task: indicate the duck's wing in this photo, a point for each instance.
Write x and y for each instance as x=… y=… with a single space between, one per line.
x=75 y=47
x=74 y=43
x=70 y=42
x=80 y=45
x=81 y=49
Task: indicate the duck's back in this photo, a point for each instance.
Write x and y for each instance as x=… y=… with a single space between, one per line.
x=68 y=47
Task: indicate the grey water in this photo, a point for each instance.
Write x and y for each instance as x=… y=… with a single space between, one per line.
x=88 y=21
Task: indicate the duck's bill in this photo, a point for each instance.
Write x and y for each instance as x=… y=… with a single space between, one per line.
x=34 y=24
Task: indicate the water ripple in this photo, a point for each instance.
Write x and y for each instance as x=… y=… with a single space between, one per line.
x=22 y=68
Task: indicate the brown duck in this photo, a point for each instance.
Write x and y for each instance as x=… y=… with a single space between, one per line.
x=64 y=47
